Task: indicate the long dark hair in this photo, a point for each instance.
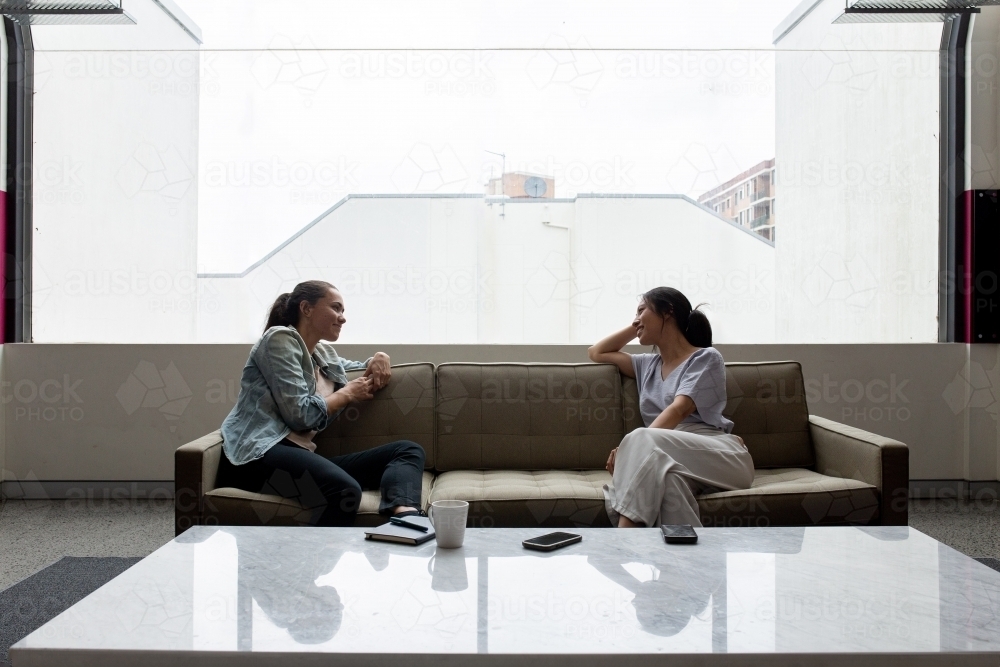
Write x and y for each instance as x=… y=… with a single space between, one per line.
x=692 y=322
x=285 y=309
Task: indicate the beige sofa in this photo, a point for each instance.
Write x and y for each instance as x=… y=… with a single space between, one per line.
x=526 y=445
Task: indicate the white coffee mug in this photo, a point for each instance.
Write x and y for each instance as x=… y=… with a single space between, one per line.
x=448 y=518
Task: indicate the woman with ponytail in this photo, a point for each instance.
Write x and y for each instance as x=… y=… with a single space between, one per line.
x=294 y=384
x=687 y=446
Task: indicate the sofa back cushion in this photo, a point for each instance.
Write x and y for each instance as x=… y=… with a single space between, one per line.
x=766 y=402
x=527 y=416
x=630 y=403
x=402 y=410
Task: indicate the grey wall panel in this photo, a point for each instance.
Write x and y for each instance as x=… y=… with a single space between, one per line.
x=118 y=412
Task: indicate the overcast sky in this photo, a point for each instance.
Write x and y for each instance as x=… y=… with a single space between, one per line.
x=303 y=102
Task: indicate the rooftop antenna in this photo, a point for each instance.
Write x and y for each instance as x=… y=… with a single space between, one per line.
x=503 y=168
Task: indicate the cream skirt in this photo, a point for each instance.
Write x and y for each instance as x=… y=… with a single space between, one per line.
x=658 y=472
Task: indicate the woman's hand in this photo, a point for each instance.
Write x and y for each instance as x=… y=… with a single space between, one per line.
x=610 y=467
x=379 y=371
x=358 y=389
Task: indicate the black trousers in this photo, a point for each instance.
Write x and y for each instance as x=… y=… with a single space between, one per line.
x=330 y=488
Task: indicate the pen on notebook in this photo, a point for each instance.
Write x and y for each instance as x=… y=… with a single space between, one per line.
x=401 y=522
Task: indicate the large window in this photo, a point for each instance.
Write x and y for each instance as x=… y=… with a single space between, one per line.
x=472 y=173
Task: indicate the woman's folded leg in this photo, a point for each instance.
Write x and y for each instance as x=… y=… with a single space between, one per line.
x=324 y=489
x=679 y=506
x=396 y=469
x=658 y=472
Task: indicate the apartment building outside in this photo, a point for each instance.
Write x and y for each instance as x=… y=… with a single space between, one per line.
x=747 y=199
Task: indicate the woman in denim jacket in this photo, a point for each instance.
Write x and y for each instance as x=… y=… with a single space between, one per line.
x=293 y=386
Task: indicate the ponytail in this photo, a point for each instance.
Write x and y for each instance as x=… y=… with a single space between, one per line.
x=699 y=330
x=286 y=308
x=693 y=323
x=277 y=317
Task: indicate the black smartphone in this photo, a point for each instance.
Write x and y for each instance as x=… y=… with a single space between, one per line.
x=679 y=534
x=552 y=541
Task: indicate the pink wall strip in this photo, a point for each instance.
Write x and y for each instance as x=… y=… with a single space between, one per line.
x=966 y=277
x=3 y=266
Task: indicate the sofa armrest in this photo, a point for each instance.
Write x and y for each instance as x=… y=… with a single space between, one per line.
x=850 y=453
x=195 y=467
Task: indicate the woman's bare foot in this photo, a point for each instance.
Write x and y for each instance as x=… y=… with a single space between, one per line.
x=403 y=508
x=625 y=522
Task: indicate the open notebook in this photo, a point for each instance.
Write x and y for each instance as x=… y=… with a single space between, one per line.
x=389 y=533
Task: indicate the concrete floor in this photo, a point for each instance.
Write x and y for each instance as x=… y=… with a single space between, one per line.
x=35 y=533
x=972 y=527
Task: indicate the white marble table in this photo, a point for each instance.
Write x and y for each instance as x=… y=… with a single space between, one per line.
x=748 y=596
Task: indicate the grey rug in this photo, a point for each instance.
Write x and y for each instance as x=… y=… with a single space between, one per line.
x=32 y=602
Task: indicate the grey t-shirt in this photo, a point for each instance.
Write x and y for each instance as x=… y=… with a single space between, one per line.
x=701 y=377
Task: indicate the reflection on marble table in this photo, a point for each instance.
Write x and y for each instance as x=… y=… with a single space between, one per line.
x=835 y=591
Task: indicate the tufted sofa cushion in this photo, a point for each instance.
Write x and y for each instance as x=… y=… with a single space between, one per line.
x=527 y=497
x=403 y=410
x=235 y=507
x=527 y=416
x=767 y=403
x=792 y=497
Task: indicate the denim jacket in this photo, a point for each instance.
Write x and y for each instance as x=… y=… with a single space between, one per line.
x=278 y=393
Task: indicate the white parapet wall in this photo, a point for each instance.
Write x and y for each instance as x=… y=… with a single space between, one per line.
x=116 y=118
x=625 y=246
x=464 y=269
x=856 y=157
